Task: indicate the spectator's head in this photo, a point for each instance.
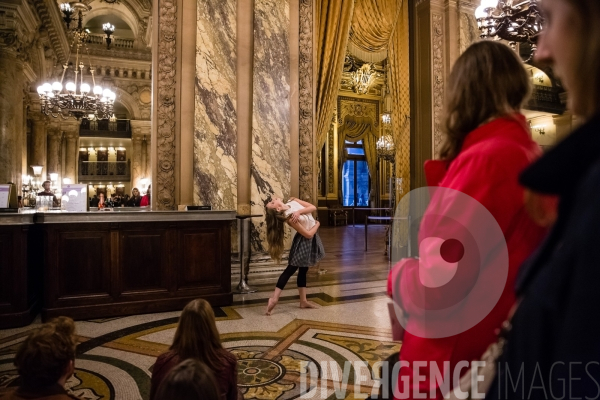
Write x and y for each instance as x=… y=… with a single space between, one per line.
x=135 y=192
x=189 y=380
x=47 y=356
x=197 y=335
x=487 y=81
x=46 y=185
x=570 y=42
x=95 y=196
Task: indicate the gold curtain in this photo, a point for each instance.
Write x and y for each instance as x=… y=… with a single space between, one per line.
x=373 y=23
x=333 y=23
x=353 y=129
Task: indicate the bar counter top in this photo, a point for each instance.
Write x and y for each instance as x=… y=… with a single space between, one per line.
x=64 y=217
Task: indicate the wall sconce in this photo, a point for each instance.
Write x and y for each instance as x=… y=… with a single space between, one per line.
x=37 y=170
x=109 y=30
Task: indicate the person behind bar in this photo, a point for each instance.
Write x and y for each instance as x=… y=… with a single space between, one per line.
x=48 y=192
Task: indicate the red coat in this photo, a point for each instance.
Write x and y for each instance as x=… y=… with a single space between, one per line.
x=487 y=169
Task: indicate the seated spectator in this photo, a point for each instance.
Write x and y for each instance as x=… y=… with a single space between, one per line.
x=45 y=361
x=94 y=201
x=190 y=380
x=197 y=337
x=146 y=199
x=135 y=199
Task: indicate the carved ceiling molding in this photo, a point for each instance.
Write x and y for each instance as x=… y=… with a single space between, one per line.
x=166 y=107
x=306 y=128
x=51 y=19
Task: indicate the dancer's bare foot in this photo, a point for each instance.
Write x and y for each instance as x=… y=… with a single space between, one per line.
x=307 y=304
x=270 y=306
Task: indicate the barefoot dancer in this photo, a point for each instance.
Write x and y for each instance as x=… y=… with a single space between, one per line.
x=307 y=248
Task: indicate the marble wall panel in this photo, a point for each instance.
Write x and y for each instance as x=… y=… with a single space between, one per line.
x=215 y=135
x=271 y=114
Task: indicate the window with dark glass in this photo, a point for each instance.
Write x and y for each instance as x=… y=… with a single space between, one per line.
x=355 y=176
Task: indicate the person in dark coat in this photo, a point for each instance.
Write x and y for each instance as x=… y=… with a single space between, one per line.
x=553 y=347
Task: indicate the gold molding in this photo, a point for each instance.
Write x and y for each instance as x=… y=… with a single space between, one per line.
x=306 y=133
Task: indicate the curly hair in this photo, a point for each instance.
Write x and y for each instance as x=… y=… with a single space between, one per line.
x=275 y=232
x=43 y=357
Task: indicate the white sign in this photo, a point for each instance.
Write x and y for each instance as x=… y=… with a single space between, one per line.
x=4 y=196
x=74 y=197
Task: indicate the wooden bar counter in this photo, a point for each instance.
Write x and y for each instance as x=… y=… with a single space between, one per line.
x=106 y=264
x=20 y=271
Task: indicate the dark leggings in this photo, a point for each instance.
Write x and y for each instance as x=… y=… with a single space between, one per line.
x=287 y=274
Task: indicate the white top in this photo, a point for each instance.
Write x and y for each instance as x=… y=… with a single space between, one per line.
x=306 y=220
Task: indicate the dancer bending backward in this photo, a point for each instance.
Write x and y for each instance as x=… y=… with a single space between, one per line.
x=307 y=248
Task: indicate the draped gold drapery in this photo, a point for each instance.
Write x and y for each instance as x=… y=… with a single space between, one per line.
x=373 y=23
x=333 y=19
x=353 y=129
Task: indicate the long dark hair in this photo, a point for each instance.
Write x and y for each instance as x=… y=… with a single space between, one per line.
x=197 y=335
x=487 y=81
x=275 y=232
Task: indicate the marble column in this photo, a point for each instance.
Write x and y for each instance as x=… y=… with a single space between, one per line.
x=136 y=161
x=148 y=150
x=245 y=72
x=39 y=139
x=10 y=91
x=144 y=158
x=54 y=156
x=71 y=158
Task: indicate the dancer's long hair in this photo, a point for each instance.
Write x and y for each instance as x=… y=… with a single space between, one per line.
x=275 y=232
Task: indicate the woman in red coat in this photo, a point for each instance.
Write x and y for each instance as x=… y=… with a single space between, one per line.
x=487 y=145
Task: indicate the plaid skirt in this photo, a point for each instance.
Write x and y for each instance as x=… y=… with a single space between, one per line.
x=306 y=252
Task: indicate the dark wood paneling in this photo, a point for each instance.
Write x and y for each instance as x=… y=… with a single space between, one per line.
x=83 y=262
x=200 y=259
x=6 y=272
x=102 y=270
x=20 y=279
x=142 y=260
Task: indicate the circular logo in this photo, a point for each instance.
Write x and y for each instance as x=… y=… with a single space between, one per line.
x=462 y=263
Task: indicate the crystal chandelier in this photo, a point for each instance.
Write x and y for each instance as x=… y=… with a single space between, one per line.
x=77 y=98
x=385 y=148
x=362 y=78
x=511 y=20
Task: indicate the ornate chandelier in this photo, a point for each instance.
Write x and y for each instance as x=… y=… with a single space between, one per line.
x=511 y=20
x=385 y=148
x=362 y=78
x=77 y=98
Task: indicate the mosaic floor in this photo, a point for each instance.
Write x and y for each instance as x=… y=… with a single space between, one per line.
x=115 y=356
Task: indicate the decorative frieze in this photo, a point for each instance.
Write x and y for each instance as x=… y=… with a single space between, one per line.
x=438 y=78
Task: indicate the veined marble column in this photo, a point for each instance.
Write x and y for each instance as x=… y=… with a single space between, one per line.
x=54 y=146
x=144 y=158
x=10 y=90
x=136 y=161
x=148 y=170
x=39 y=141
x=71 y=158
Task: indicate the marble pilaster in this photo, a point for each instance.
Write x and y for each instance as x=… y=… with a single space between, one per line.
x=71 y=158
x=54 y=156
x=10 y=108
x=136 y=160
x=148 y=170
x=271 y=111
x=215 y=131
x=39 y=139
